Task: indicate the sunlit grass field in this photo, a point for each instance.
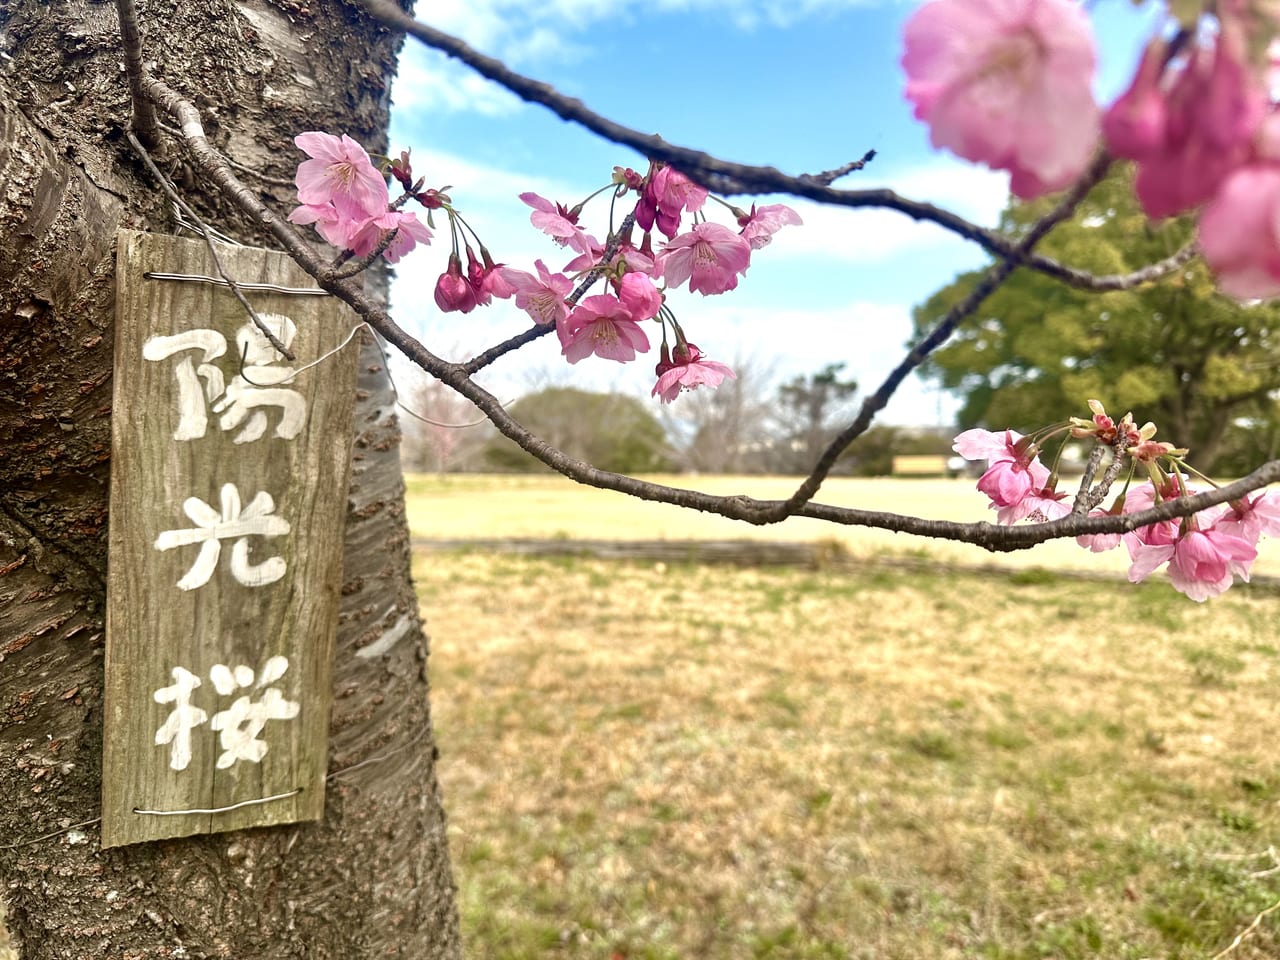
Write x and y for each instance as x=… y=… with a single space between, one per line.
x=547 y=505
x=650 y=761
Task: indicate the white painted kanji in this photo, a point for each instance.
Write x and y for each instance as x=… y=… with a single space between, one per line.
x=241 y=724
x=239 y=727
x=192 y=398
x=241 y=401
x=230 y=523
x=255 y=386
x=177 y=727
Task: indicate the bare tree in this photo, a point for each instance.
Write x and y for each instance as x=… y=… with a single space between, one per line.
x=724 y=430
x=443 y=432
x=807 y=415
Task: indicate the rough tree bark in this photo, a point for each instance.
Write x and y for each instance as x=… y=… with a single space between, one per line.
x=372 y=878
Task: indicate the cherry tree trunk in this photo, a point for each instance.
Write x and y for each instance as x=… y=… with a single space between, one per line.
x=370 y=879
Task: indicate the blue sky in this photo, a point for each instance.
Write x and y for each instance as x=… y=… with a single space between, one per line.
x=804 y=85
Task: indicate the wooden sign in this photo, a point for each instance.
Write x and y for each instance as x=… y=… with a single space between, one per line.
x=228 y=500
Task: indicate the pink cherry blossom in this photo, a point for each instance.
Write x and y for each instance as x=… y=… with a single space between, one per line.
x=340 y=173
x=678 y=192
x=1015 y=480
x=640 y=296
x=558 y=222
x=673 y=193
x=493 y=280
x=1134 y=126
x=363 y=237
x=1099 y=542
x=1253 y=516
x=759 y=226
x=412 y=232
x=1151 y=550
x=636 y=259
x=476 y=275
x=331 y=225
x=978 y=444
x=1188 y=140
x=1204 y=561
x=1152 y=546
x=1012 y=483
x=686 y=370
x=601 y=325
x=1006 y=83
x=542 y=297
x=1038 y=505
x=710 y=257
x=453 y=292
x=1240 y=232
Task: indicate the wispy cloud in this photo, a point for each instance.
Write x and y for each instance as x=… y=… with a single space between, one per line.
x=876 y=235
x=831 y=233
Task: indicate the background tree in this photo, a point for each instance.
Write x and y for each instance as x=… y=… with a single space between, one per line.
x=1202 y=366
x=613 y=431
x=723 y=430
x=443 y=433
x=372 y=878
x=807 y=416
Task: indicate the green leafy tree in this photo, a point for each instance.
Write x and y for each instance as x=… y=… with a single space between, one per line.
x=1203 y=367
x=611 y=430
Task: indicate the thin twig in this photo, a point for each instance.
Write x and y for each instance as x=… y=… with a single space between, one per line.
x=172 y=193
x=827 y=177
x=988 y=284
x=486 y=357
x=1084 y=280
x=352 y=267
x=1113 y=471
x=1081 y=503
x=49 y=836
x=265 y=178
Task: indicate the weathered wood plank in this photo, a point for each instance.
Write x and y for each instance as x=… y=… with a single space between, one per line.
x=228 y=492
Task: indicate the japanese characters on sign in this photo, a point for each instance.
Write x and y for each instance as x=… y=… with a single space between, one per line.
x=229 y=473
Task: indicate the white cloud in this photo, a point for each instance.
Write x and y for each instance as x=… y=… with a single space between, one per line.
x=851 y=236
x=869 y=337
x=876 y=235
x=427 y=82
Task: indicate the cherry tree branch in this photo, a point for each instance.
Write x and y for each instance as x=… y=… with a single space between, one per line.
x=145 y=123
x=991 y=537
x=1084 y=280
x=725 y=177
x=988 y=284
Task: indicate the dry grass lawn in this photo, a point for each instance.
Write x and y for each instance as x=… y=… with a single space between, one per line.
x=546 y=505
x=653 y=762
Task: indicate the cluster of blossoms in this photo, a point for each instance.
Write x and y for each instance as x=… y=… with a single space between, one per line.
x=708 y=256
x=344 y=195
x=1204 y=552
x=346 y=198
x=1007 y=83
